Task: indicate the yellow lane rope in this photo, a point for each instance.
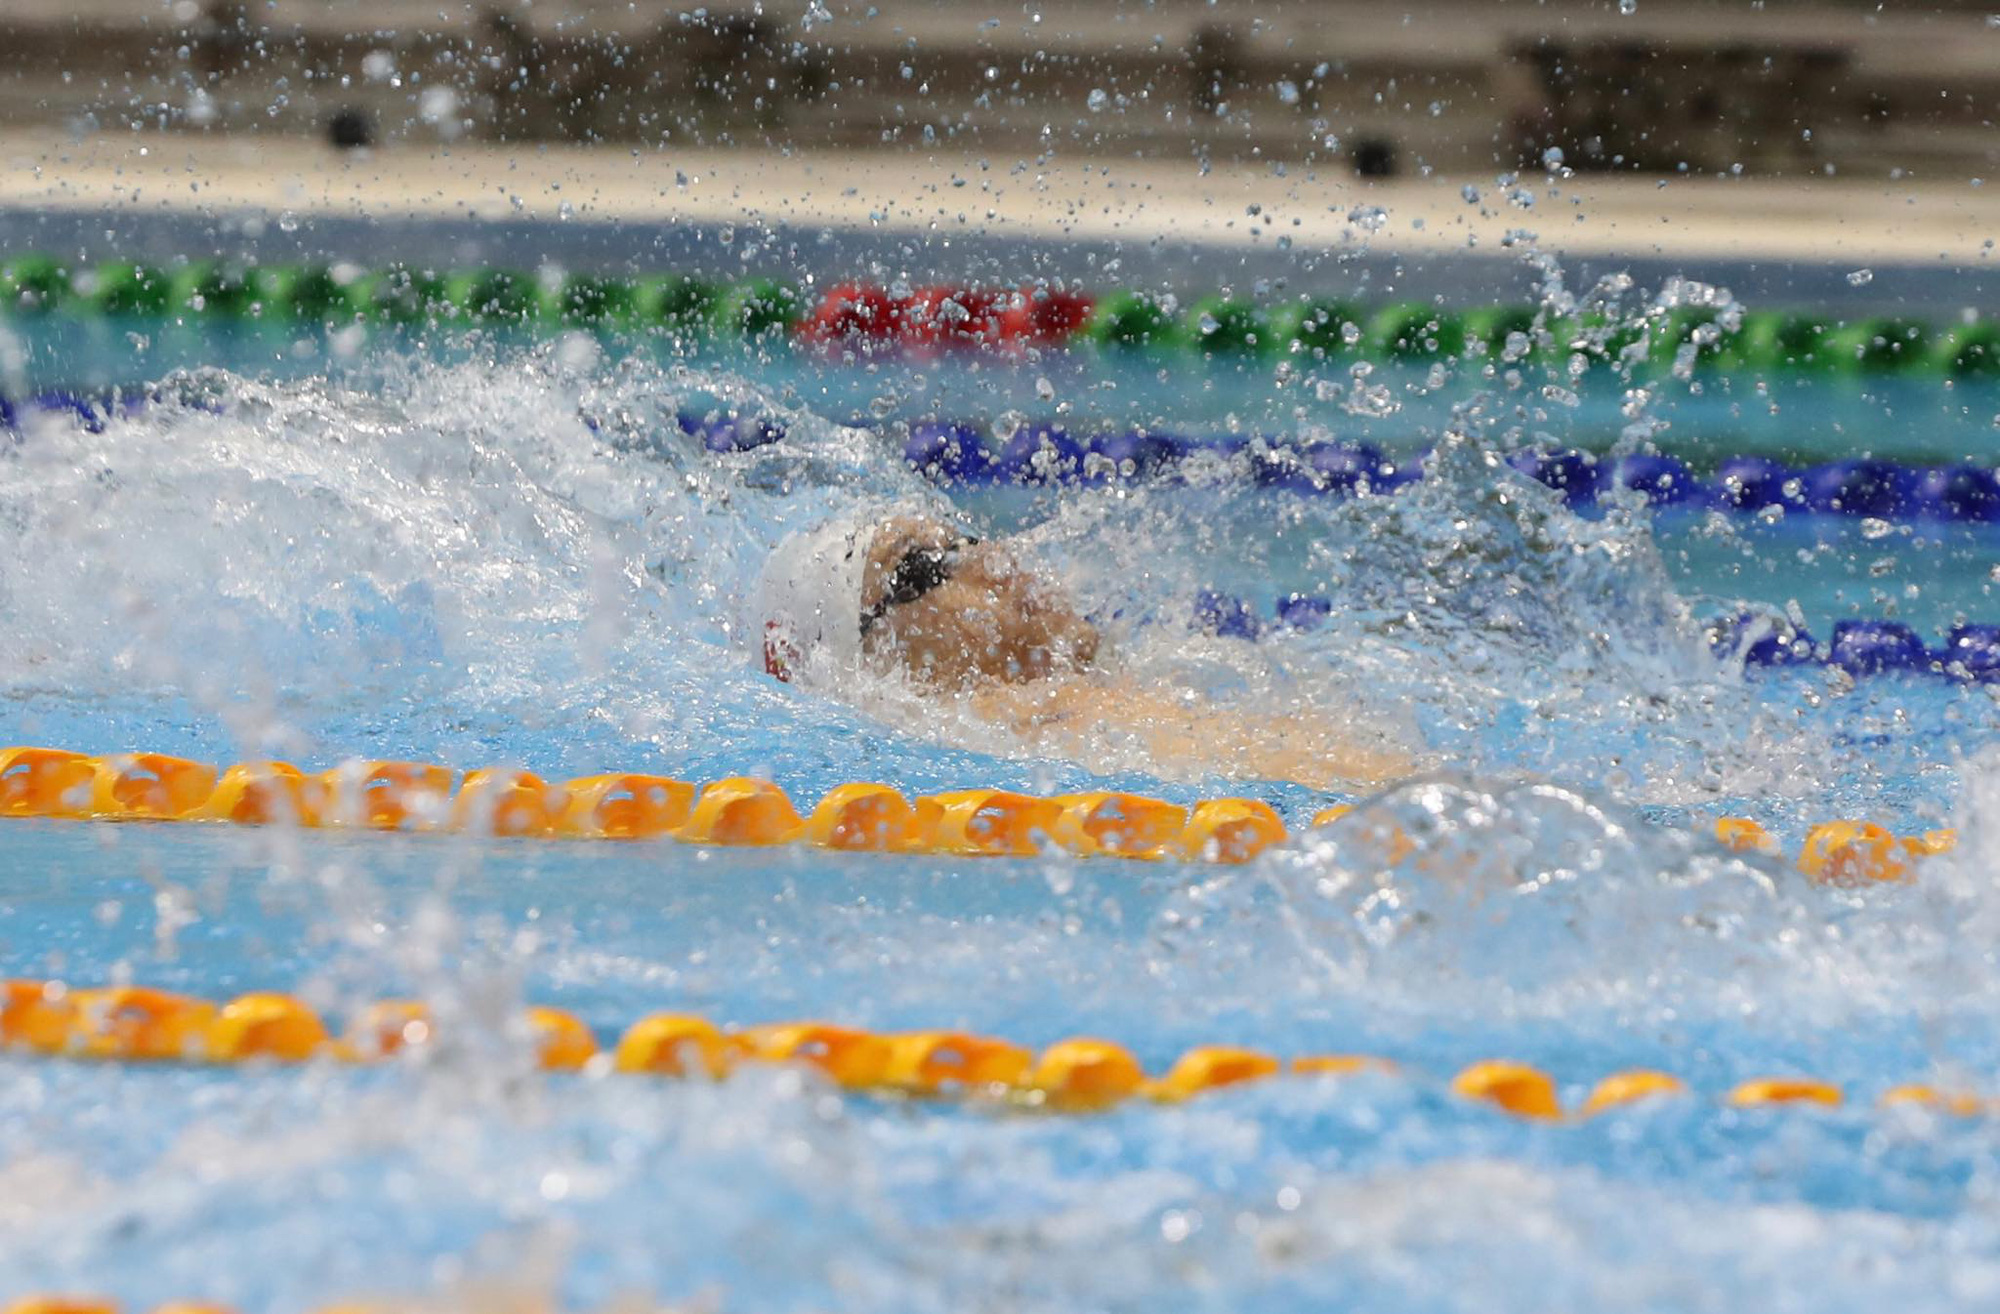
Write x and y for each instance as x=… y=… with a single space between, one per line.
x=740 y=810
x=133 y=1023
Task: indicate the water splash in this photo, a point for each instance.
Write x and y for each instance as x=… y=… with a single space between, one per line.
x=525 y=558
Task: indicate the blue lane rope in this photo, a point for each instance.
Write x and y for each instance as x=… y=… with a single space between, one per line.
x=958 y=455
x=1970 y=653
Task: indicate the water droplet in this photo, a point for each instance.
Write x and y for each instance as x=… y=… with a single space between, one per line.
x=1044 y=389
x=288 y=222
x=1288 y=93
x=577 y=352
x=438 y=106
x=1097 y=100
x=1861 y=278
x=1628 y=7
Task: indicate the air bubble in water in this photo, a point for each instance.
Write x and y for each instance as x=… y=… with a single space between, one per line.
x=288 y=222
x=1097 y=100
x=1628 y=7
x=1288 y=92
x=1861 y=278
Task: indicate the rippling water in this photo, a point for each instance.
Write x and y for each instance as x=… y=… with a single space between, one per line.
x=517 y=557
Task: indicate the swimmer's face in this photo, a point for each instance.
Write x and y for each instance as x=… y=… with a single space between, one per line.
x=980 y=616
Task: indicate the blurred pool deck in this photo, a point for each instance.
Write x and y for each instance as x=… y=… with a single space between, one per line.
x=1861 y=244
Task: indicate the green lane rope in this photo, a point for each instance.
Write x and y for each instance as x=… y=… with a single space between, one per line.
x=1322 y=329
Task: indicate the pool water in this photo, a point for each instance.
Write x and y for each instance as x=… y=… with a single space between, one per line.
x=486 y=551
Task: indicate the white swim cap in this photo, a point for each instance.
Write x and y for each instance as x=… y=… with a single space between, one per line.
x=808 y=600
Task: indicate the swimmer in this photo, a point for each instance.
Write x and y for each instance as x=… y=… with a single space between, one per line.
x=960 y=617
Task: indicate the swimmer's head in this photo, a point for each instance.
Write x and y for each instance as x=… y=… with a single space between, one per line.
x=807 y=609
x=915 y=592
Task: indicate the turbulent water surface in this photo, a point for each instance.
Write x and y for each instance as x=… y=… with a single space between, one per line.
x=516 y=556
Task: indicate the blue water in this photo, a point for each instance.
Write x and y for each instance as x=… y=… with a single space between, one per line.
x=425 y=551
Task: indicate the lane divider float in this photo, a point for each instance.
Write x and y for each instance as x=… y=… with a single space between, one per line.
x=961 y=454
x=73 y=1303
x=1081 y=1074
x=742 y=811
x=965 y=455
x=860 y=317
x=1970 y=653
x=1843 y=852
x=737 y=811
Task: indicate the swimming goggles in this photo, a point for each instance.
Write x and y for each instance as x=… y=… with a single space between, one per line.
x=918 y=571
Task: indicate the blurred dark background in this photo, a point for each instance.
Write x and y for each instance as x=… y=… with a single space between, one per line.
x=1656 y=86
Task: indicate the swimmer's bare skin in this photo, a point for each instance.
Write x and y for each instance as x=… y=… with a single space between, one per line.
x=989 y=621
x=1070 y=716
x=1023 y=658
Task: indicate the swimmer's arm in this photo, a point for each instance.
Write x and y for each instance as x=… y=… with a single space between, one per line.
x=1302 y=746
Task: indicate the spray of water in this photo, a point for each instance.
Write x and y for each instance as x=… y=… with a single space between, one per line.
x=522 y=558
